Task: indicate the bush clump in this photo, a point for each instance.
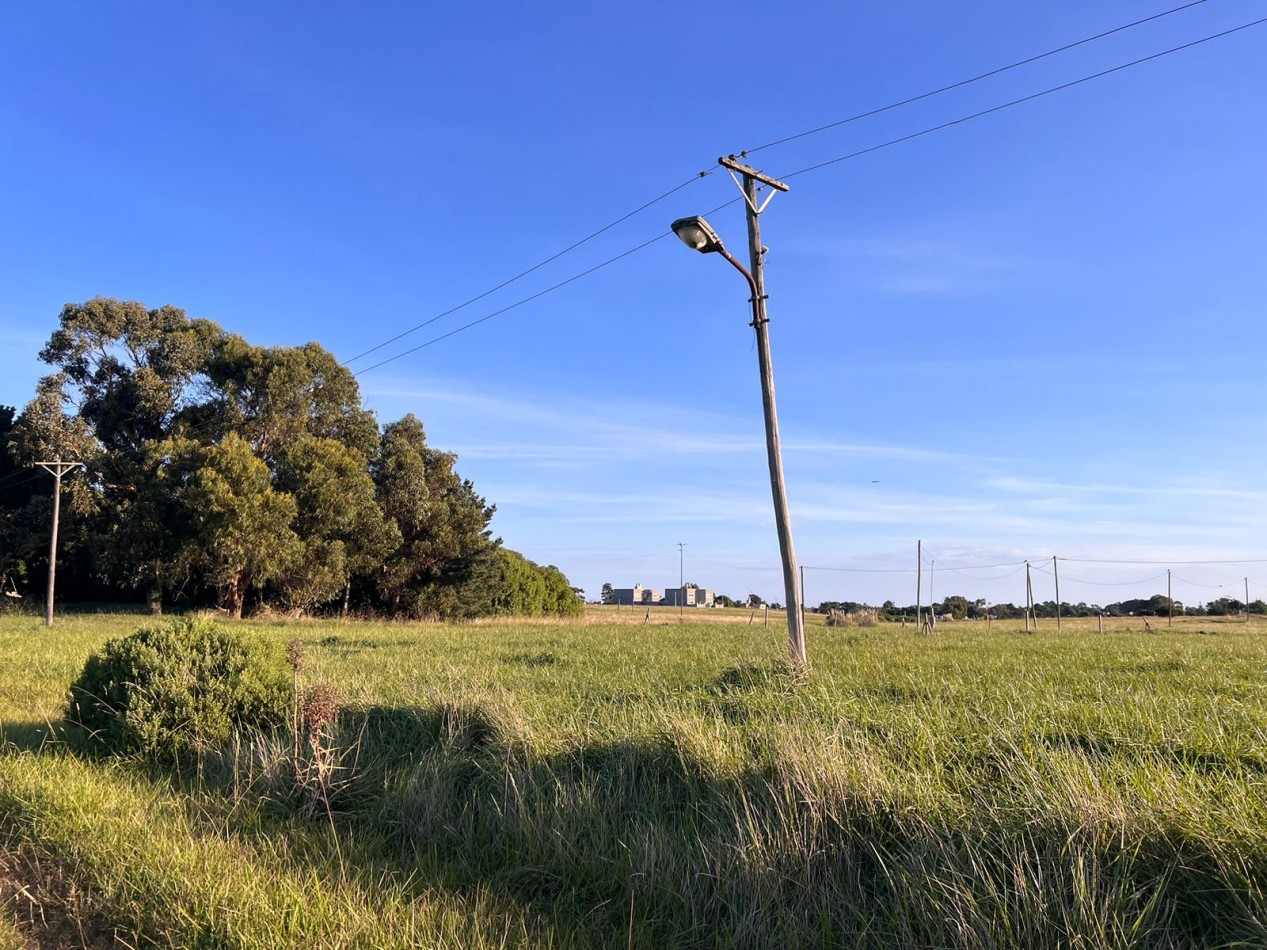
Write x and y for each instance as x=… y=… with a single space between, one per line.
x=186 y=685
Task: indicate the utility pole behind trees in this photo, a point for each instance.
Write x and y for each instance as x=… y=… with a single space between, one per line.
x=57 y=468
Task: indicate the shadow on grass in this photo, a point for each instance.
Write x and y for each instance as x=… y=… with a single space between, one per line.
x=47 y=735
x=767 y=855
x=29 y=736
x=645 y=842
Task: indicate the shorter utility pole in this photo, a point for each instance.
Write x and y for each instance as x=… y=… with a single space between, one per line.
x=1247 y=600
x=1056 y=573
x=1170 y=603
x=57 y=468
x=932 y=611
x=919 y=581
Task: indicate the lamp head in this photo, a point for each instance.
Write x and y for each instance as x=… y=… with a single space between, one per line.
x=697 y=233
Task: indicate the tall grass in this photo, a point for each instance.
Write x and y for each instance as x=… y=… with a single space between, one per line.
x=675 y=786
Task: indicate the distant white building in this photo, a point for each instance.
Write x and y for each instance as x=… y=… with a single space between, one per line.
x=672 y=597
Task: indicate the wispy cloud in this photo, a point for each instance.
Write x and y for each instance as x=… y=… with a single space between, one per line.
x=592 y=430
x=919 y=263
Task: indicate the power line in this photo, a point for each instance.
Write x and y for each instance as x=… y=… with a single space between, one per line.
x=998 y=577
x=1093 y=560
x=816 y=167
x=518 y=303
x=28 y=475
x=1023 y=99
x=877 y=111
x=534 y=267
x=1183 y=580
x=1079 y=580
x=967 y=82
x=863 y=570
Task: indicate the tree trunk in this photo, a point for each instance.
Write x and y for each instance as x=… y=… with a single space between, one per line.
x=347 y=596
x=154 y=597
x=236 y=595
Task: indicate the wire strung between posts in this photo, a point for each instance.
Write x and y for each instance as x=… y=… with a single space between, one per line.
x=518 y=303
x=1023 y=99
x=972 y=577
x=736 y=567
x=1189 y=583
x=967 y=82
x=1092 y=560
x=1079 y=580
x=22 y=475
x=534 y=267
x=930 y=557
x=807 y=170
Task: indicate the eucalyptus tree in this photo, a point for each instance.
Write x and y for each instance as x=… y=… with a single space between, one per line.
x=443 y=522
x=135 y=376
x=238 y=527
x=343 y=530
x=276 y=397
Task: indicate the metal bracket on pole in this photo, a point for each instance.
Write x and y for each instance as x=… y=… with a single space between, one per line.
x=59 y=468
x=733 y=165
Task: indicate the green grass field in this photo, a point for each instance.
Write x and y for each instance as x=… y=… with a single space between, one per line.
x=613 y=782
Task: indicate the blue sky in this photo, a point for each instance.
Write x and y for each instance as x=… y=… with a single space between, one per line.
x=1035 y=333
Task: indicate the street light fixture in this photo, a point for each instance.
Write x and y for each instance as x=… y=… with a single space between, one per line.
x=697 y=233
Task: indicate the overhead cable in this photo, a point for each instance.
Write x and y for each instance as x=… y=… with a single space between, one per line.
x=968 y=82
x=820 y=165
x=1023 y=99
x=534 y=267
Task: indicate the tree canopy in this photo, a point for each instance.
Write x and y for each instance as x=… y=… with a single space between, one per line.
x=220 y=472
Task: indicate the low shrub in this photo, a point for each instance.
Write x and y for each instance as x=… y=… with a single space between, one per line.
x=188 y=684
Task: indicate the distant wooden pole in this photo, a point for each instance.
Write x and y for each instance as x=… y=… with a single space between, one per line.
x=1099 y=623
x=1029 y=598
x=767 y=615
x=1247 y=600
x=1170 y=603
x=57 y=468
x=1056 y=573
x=919 y=582
x=932 y=611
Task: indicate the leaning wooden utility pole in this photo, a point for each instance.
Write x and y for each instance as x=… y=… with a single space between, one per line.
x=57 y=468
x=760 y=322
x=802 y=596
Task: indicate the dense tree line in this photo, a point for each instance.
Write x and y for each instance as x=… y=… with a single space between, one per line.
x=960 y=608
x=216 y=471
